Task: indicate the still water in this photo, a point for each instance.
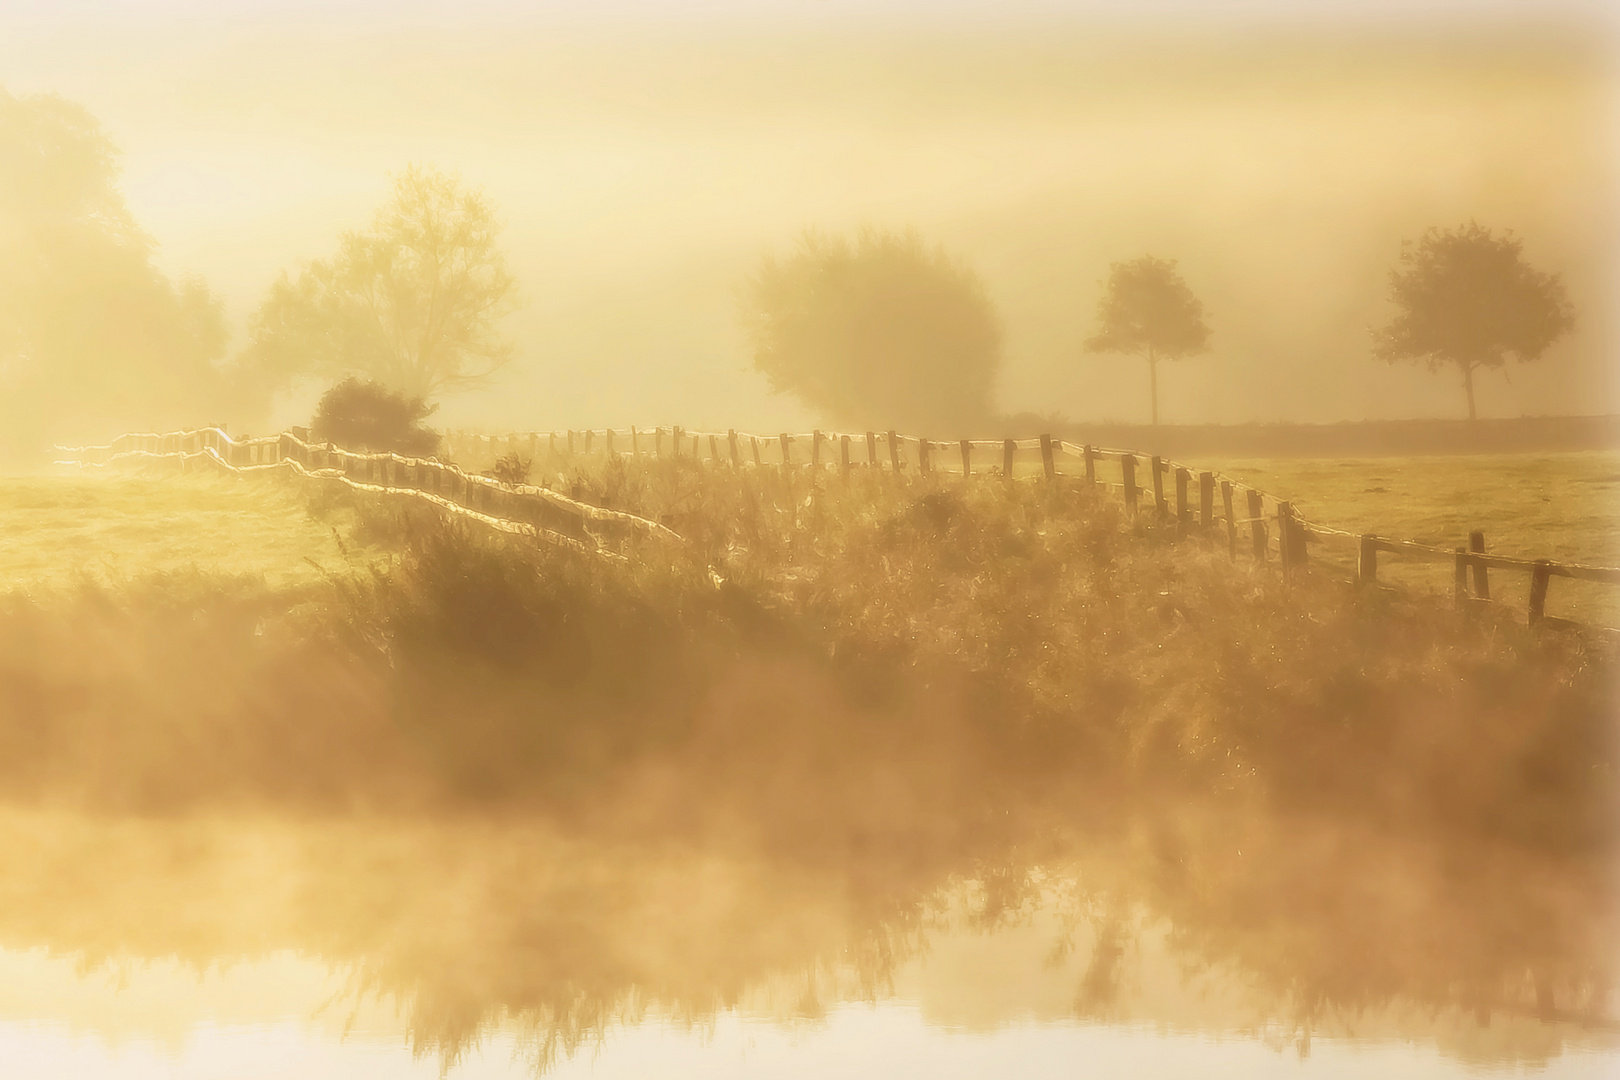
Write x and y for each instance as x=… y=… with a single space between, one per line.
x=264 y=947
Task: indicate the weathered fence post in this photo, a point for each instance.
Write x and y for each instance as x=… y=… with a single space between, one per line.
x=871 y=450
x=1285 y=534
x=588 y=434
x=1482 y=583
x=755 y=440
x=607 y=442
x=731 y=442
x=1540 y=576
x=570 y=443
x=658 y=442
x=1091 y=464
x=967 y=458
x=1206 y=499
x=1182 y=476
x=1047 y=461
x=1367 y=561
x=922 y=456
x=1157 y=465
x=635 y=443
x=714 y=448
x=675 y=434
x=696 y=453
x=1231 y=523
x=1127 y=472
x=815 y=448
x=1008 y=449
x=1257 y=521
x=787 y=458
x=894 y=451
x=843 y=455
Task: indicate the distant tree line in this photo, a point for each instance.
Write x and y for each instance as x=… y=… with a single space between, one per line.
x=879 y=330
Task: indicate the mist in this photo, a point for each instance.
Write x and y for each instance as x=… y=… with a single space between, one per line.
x=643 y=164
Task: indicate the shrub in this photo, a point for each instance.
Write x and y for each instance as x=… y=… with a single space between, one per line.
x=369 y=416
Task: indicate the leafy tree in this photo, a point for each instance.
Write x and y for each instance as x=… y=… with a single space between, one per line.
x=413 y=302
x=93 y=339
x=1466 y=297
x=368 y=416
x=1146 y=309
x=877 y=333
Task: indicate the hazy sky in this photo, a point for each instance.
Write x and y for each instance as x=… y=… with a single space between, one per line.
x=645 y=155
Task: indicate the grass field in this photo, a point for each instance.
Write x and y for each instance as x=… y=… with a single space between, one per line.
x=1562 y=506
x=58 y=531
x=1566 y=506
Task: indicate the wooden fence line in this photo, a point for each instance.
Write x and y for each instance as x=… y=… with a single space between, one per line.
x=511 y=508
x=459 y=490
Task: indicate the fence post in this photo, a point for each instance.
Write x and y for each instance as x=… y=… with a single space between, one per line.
x=1540 y=576
x=922 y=456
x=1367 y=561
x=696 y=453
x=1482 y=583
x=714 y=448
x=570 y=443
x=1257 y=521
x=815 y=448
x=843 y=454
x=1182 y=476
x=755 y=440
x=607 y=442
x=967 y=458
x=786 y=457
x=1047 y=461
x=731 y=441
x=675 y=434
x=1008 y=449
x=871 y=450
x=588 y=434
x=1156 y=463
x=1091 y=464
x=1285 y=534
x=894 y=451
x=635 y=443
x=1127 y=470
x=1206 y=499
x=1231 y=525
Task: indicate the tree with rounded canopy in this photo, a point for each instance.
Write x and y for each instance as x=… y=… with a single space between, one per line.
x=879 y=333
x=1146 y=309
x=1467 y=297
x=94 y=340
x=368 y=416
x=412 y=303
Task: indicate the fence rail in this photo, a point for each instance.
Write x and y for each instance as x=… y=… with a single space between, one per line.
x=554 y=516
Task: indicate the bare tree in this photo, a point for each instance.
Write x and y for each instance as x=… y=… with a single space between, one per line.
x=1468 y=298
x=1146 y=309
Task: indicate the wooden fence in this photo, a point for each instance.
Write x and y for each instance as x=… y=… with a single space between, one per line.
x=518 y=508
x=1275 y=531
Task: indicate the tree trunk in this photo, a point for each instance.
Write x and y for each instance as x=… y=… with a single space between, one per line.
x=1153 y=387
x=1468 y=384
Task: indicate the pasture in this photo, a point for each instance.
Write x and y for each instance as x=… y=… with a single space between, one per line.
x=1562 y=506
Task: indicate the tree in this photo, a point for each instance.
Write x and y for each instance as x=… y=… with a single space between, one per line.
x=368 y=416
x=413 y=302
x=878 y=333
x=1146 y=309
x=1468 y=298
x=93 y=339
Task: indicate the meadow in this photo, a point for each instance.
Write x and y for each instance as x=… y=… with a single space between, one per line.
x=474 y=768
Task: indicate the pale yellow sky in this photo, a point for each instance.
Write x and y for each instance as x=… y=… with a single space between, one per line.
x=643 y=163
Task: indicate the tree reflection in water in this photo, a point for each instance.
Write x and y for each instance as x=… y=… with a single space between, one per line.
x=1186 y=916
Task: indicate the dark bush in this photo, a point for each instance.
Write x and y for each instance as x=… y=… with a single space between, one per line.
x=369 y=416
